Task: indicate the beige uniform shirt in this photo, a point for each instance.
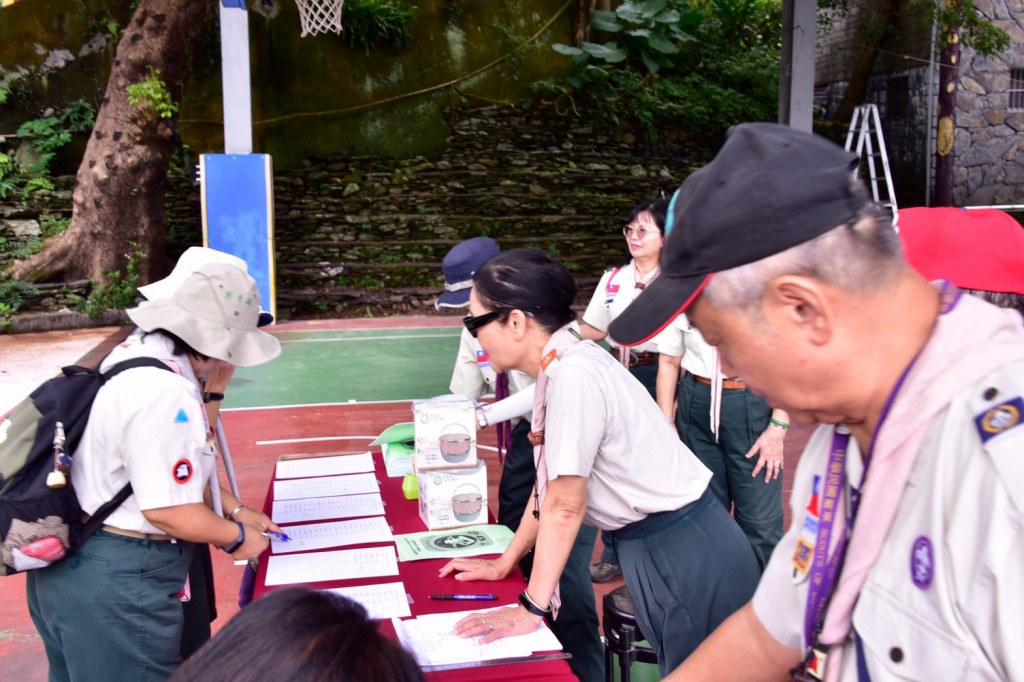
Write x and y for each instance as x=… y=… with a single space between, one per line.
x=602 y=424
x=945 y=600
x=616 y=290
x=680 y=339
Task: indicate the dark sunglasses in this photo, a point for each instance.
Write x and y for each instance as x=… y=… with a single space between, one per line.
x=474 y=323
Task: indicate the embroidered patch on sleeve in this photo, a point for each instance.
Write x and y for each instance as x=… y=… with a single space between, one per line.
x=999 y=418
x=181 y=417
x=182 y=471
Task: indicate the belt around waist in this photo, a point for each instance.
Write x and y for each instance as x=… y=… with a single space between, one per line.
x=645 y=358
x=152 y=537
x=726 y=383
x=655 y=522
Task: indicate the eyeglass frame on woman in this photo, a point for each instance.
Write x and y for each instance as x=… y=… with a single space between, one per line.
x=474 y=323
x=639 y=231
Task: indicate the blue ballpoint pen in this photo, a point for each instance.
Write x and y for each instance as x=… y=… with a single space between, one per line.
x=275 y=535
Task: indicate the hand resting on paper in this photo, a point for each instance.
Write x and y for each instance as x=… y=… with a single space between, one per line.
x=476 y=569
x=498 y=623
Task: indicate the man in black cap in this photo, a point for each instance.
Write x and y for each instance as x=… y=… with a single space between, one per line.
x=907 y=527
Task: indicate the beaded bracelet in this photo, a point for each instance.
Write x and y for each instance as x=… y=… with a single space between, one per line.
x=782 y=425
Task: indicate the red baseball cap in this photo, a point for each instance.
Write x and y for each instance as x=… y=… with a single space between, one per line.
x=978 y=249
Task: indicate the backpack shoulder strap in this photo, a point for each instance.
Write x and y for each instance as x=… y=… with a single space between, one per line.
x=108 y=507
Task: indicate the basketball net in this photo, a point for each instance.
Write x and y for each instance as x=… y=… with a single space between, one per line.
x=319 y=16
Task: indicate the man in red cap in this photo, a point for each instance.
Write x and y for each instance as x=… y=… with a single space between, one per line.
x=905 y=555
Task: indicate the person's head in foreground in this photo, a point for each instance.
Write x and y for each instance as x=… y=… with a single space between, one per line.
x=297 y=634
x=518 y=300
x=459 y=264
x=779 y=258
x=981 y=251
x=213 y=315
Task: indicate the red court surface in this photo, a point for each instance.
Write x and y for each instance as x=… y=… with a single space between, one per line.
x=257 y=437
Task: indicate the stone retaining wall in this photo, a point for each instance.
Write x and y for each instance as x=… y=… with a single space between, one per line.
x=366 y=235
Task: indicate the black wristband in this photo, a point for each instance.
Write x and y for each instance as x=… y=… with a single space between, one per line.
x=230 y=549
x=212 y=397
x=532 y=607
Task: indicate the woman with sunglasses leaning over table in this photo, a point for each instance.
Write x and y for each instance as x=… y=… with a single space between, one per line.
x=606 y=457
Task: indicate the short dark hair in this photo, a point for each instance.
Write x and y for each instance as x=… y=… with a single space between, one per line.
x=179 y=347
x=297 y=634
x=529 y=280
x=1001 y=299
x=658 y=208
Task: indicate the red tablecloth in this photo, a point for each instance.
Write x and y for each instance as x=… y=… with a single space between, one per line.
x=421 y=579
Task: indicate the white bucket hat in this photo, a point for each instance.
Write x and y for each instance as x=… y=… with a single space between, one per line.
x=216 y=311
x=193 y=259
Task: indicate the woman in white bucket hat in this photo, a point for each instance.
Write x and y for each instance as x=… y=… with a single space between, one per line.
x=149 y=427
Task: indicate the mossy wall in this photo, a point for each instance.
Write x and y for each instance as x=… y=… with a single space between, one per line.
x=316 y=95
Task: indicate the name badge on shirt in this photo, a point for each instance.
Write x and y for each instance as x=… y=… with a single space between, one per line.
x=803 y=553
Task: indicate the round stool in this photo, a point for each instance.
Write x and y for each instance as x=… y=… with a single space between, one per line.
x=621 y=635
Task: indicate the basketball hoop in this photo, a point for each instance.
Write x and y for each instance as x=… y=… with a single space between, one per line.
x=319 y=16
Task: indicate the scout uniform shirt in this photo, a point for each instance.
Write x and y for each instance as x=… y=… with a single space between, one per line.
x=148 y=426
x=473 y=375
x=680 y=339
x=616 y=290
x=945 y=600
x=602 y=425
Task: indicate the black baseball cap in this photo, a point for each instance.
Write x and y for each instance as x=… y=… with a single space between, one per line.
x=769 y=188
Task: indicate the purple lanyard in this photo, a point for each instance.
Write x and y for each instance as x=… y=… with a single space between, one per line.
x=824 y=570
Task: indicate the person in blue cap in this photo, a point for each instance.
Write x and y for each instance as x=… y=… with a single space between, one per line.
x=475 y=376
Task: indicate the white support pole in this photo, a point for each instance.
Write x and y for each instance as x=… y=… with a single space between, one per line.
x=234 y=57
x=796 y=82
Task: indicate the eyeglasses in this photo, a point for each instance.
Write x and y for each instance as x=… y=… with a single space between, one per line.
x=640 y=232
x=475 y=322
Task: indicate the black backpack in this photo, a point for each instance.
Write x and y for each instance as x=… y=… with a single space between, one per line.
x=39 y=524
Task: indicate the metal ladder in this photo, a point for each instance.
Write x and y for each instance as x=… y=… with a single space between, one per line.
x=867 y=126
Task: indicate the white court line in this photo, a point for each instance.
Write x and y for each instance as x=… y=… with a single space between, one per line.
x=411 y=337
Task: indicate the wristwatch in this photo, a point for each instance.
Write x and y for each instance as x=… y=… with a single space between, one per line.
x=532 y=607
x=481 y=418
x=230 y=549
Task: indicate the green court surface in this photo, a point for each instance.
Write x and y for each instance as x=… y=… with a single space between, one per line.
x=339 y=366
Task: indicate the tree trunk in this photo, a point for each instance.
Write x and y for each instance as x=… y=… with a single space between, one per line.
x=878 y=27
x=581 y=21
x=945 y=155
x=119 y=192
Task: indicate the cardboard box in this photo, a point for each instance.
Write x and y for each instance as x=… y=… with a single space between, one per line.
x=451 y=498
x=445 y=433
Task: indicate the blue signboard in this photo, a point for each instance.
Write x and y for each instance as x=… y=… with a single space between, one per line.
x=238 y=214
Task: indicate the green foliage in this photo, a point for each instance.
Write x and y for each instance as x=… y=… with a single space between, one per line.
x=40 y=140
x=116 y=291
x=51 y=226
x=9 y=175
x=369 y=22
x=6 y=84
x=975 y=31
x=12 y=296
x=152 y=97
x=702 y=64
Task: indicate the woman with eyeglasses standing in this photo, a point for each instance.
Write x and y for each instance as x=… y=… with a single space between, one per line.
x=605 y=457
x=619 y=286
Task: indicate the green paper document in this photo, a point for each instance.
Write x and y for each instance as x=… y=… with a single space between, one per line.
x=456 y=542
